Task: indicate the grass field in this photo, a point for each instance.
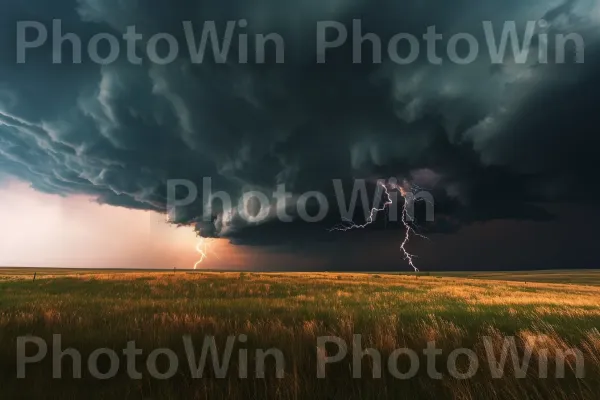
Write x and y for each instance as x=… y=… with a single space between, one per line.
x=289 y=311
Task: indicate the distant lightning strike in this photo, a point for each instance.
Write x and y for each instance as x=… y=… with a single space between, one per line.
x=348 y=225
x=203 y=248
x=409 y=229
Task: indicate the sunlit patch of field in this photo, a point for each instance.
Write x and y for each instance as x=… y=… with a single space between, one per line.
x=289 y=311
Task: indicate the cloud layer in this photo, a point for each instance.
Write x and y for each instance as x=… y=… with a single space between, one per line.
x=497 y=138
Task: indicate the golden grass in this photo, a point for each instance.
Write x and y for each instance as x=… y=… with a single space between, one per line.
x=289 y=311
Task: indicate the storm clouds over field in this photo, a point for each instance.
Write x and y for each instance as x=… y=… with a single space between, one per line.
x=510 y=142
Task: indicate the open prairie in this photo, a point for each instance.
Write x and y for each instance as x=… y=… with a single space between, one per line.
x=555 y=323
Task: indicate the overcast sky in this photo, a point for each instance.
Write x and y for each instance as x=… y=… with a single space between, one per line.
x=508 y=150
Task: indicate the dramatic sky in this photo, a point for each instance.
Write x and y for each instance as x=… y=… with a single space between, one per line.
x=508 y=150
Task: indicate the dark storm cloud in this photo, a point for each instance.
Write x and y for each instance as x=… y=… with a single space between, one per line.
x=497 y=137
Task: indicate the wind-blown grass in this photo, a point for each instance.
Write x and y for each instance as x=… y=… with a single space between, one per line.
x=289 y=312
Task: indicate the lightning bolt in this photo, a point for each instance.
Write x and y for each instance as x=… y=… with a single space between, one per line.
x=348 y=225
x=203 y=247
x=409 y=257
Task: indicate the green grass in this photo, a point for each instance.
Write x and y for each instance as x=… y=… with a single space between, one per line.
x=93 y=309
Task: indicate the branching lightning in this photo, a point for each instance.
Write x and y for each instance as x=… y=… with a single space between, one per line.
x=409 y=257
x=203 y=247
x=348 y=225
